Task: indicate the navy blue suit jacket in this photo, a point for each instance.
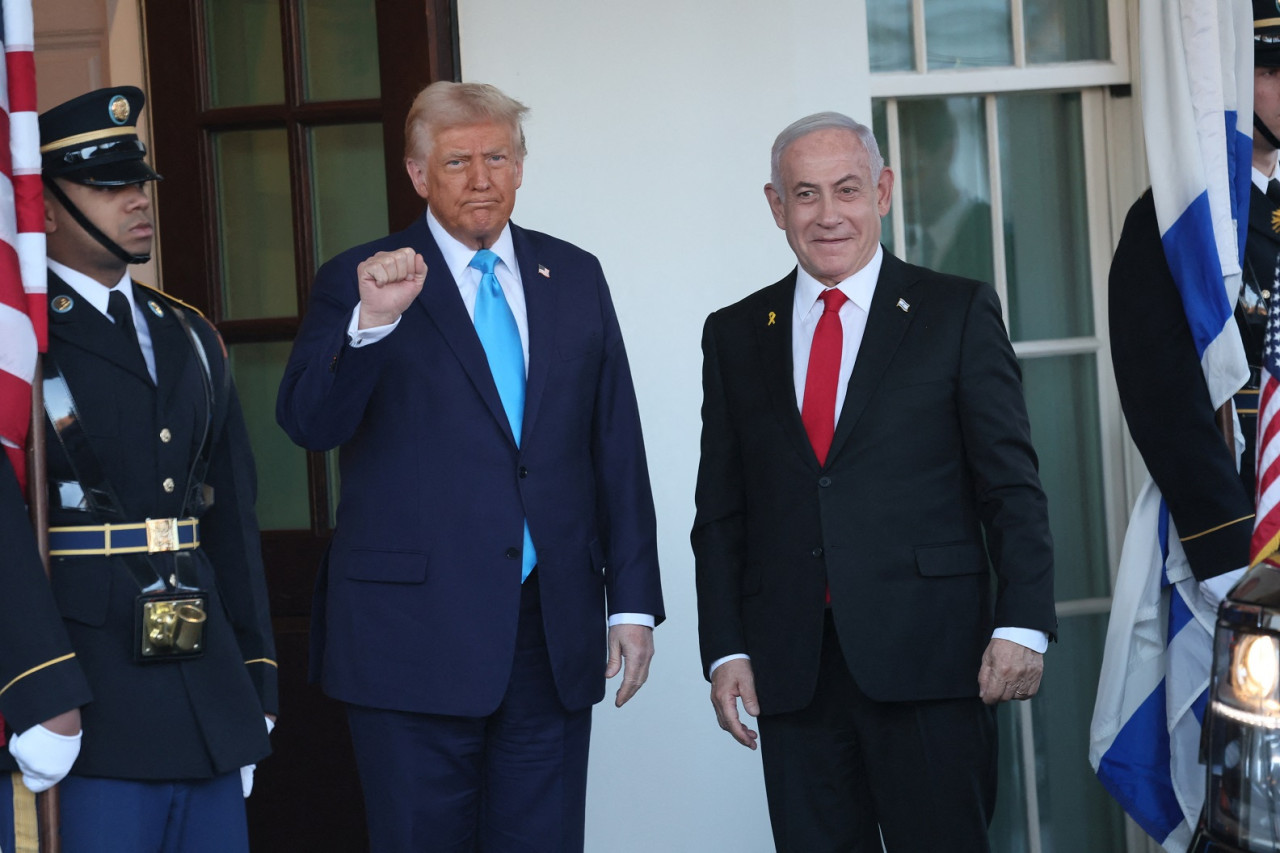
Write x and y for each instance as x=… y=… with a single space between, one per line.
x=418 y=605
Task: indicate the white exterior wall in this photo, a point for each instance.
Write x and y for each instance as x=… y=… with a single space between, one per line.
x=649 y=138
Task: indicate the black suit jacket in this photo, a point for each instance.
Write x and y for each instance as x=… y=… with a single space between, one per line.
x=39 y=674
x=931 y=458
x=154 y=721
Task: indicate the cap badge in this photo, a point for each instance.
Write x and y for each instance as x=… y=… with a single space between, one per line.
x=119 y=109
x=155 y=308
x=62 y=304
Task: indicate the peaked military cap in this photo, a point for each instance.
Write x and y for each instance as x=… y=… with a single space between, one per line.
x=1266 y=33
x=93 y=139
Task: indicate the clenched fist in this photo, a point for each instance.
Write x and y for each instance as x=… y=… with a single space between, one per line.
x=389 y=282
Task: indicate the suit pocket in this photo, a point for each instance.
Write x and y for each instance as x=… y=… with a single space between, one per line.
x=580 y=345
x=960 y=558
x=380 y=566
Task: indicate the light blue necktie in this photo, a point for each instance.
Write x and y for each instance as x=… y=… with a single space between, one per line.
x=496 y=326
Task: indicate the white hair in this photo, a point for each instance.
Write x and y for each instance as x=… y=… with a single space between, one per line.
x=814 y=123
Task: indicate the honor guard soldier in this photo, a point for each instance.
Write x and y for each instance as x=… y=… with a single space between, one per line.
x=41 y=683
x=1158 y=373
x=156 y=563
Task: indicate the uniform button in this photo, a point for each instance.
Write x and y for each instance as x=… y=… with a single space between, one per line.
x=165 y=435
x=523 y=472
x=824 y=482
x=167 y=484
x=817 y=552
x=513 y=553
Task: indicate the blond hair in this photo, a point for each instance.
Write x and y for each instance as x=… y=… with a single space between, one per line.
x=445 y=104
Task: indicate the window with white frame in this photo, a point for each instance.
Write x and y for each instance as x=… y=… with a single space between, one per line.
x=993 y=115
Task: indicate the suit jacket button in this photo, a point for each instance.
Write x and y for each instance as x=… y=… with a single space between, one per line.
x=513 y=553
x=817 y=552
x=824 y=481
x=522 y=472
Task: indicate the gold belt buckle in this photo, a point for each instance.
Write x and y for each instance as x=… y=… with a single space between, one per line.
x=162 y=535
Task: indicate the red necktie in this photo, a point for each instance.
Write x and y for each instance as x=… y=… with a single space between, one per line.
x=819 y=408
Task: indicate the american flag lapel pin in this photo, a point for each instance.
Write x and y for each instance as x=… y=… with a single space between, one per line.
x=543 y=271
x=904 y=305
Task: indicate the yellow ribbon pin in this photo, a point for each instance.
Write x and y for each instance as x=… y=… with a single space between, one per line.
x=772 y=316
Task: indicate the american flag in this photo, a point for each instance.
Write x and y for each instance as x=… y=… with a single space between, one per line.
x=1266 y=527
x=23 y=323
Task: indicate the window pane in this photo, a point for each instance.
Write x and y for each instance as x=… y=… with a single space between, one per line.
x=282 y=466
x=946 y=188
x=1076 y=813
x=255 y=224
x=1008 y=832
x=880 y=128
x=1062 y=402
x=246 y=65
x=968 y=33
x=1062 y=32
x=890 y=35
x=1045 y=216
x=339 y=49
x=349 y=186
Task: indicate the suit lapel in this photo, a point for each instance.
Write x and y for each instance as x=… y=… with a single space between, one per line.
x=168 y=342
x=540 y=308
x=443 y=303
x=82 y=326
x=887 y=322
x=772 y=323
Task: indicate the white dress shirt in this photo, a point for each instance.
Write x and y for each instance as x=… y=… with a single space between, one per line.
x=97 y=295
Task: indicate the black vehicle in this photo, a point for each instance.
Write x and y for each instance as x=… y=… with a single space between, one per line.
x=1241 y=741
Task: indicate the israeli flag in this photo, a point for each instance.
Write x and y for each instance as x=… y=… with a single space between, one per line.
x=1197 y=78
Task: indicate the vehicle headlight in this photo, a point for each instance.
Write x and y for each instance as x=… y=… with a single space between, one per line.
x=1243 y=730
x=1255 y=668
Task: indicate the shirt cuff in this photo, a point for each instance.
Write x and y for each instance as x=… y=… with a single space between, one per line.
x=359 y=337
x=644 y=619
x=1037 y=641
x=725 y=659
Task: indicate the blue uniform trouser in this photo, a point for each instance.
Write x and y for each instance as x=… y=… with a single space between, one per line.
x=117 y=815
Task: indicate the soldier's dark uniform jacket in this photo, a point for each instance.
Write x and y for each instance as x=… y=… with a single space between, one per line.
x=1163 y=392
x=187 y=719
x=40 y=676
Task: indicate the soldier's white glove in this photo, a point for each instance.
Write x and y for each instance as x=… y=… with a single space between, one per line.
x=43 y=756
x=246 y=772
x=1216 y=588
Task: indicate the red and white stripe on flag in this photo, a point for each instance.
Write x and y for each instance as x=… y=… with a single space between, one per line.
x=23 y=321
x=1266 y=526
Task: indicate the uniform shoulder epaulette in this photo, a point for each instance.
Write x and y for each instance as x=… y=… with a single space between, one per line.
x=172 y=300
